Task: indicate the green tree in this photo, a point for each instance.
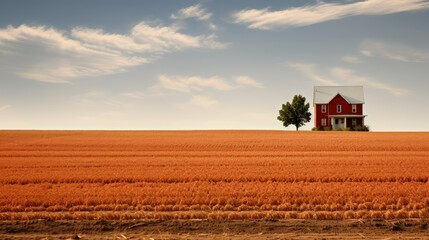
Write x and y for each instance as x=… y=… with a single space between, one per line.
x=296 y=113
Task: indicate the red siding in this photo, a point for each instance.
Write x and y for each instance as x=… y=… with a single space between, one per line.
x=346 y=108
x=319 y=115
x=331 y=109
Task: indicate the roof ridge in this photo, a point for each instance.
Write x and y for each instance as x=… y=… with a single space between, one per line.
x=340 y=86
x=325 y=94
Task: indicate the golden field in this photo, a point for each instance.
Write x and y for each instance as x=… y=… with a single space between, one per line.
x=213 y=175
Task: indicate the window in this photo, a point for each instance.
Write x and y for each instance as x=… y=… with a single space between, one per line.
x=354 y=122
x=353 y=108
x=323 y=108
x=323 y=121
x=338 y=108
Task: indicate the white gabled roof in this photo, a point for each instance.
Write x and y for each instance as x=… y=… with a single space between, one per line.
x=324 y=94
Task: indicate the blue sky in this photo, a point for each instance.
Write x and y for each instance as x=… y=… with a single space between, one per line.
x=104 y=64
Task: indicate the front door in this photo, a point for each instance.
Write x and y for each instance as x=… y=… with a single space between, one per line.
x=339 y=123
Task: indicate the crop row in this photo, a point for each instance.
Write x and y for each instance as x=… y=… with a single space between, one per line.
x=231 y=215
x=221 y=196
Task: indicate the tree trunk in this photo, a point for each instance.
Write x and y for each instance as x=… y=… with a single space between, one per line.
x=296 y=127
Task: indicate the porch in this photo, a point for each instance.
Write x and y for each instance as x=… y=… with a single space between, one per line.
x=346 y=121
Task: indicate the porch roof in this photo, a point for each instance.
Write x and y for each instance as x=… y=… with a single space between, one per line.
x=347 y=116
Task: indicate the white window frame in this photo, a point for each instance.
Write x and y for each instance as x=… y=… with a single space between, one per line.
x=354 y=122
x=323 y=108
x=339 y=108
x=354 y=108
x=323 y=122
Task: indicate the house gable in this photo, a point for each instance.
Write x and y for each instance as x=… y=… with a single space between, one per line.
x=338 y=100
x=349 y=100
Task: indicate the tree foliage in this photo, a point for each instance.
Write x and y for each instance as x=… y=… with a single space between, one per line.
x=295 y=113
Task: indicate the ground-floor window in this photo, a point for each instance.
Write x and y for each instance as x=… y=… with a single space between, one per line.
x=354 y=122
x=323 y=121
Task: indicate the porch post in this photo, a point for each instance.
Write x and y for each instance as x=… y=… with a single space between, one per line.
x=345 y=122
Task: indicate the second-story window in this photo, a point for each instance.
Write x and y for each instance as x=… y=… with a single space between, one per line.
x=338 y=108
x=323 y=108
x=354 y=108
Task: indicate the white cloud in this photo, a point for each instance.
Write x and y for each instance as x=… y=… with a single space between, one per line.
x=50 y=55
x=309 y=70
x=203 y=101
x=248 y=81
x=192 y=83
x=351 y=59
x=195 y=11
x=145 y=38
x=46 y=54
x=397 y=52
x=322 y=12
x=350 y=76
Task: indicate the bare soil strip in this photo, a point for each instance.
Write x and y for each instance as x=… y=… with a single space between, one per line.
x=218 y=229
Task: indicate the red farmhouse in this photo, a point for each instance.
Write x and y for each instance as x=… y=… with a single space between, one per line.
x=338 y=107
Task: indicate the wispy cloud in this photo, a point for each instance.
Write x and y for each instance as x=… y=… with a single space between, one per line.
x=52 y=55
x=213 y=27
x=195 y=11
x=196 y=87
x=248 y=81
x=100 y=98
x=344 y=76
x=4 y=107
x=309 y=70
x=193 y=83
x=134 y=94
x=397 y=52
x=351 y=59
x=350 y=76
x=48 y=55
x=202 y=101
x=198 y=83
x=322 y=12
